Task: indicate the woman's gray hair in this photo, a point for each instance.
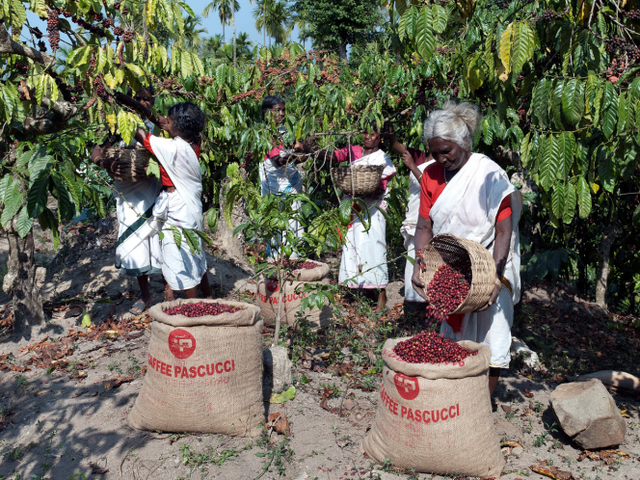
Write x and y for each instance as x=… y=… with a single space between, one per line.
x=456 y=122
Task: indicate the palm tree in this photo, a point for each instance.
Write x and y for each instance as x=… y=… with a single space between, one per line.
x=273 y=17
x=225 y=12
x=192 y=32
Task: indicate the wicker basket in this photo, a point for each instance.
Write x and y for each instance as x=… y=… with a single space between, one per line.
x=136 y=156
x=357 y=179
x=447 y=249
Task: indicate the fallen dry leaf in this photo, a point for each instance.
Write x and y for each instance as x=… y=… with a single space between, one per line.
x=115 y=382
x=279 y=423
x=41 y=392
x=510 y=443
x=552 y=472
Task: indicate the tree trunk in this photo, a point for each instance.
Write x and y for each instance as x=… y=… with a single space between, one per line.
x=343 y=51
x=21 y=281
x=233 y=21
x=608 y=237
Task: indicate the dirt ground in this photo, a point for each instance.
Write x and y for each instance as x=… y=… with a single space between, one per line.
x=63 y=409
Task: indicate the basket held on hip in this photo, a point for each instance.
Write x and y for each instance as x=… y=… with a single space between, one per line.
x=450 y=249
x=357 y=179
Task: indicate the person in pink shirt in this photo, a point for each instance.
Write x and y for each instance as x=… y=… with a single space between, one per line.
x=364 y=254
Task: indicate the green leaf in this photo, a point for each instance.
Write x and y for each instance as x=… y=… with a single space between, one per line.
x=525 y=150
x=344 y=211
x=177 y=236
x=623 y=114
x=606 y=169
x=24 y=223
x=584 y=198
x=569 y=203
x=547 y=169
x=39 y=163
x=609 y=110
x=213 y=216
x=558 y=199
x=541 y=100
x=440 y=18
x=573 y=101
x=74 y=189
x=424 y=38
x=66 y=207
x=636 y=217
x=506 y=43
x=5 y=185
x=37 y=195
x=284 y=396
x=556 y=104
x=523 y=46
x=12 y=203
x=565 y=148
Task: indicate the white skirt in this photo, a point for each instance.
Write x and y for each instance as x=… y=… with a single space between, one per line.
x=181 y=268
x=364 y=254
x=491 y=327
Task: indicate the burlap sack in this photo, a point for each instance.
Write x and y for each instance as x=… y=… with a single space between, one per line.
x=204 y=374
x=267 y=297
x=436 y=418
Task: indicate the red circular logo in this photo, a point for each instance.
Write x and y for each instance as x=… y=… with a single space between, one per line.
x=181 y=343
x=407 y=386
x=272 y=286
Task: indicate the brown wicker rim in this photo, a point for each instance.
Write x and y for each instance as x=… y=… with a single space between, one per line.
x=357 y=179
x=447 y=248
x=137 y=156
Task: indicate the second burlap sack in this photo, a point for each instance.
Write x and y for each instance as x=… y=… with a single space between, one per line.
x=436 y=418
x=204 y=374
x=268 y=297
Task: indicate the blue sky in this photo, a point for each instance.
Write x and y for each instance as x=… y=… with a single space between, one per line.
x=244 y=21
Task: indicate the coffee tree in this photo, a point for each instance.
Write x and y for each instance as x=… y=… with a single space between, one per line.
x=56 y=95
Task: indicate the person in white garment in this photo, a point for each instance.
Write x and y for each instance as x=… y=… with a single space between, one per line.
x=279 y=174
x=179 y=205
x=416 y=161
x=468 y=195
x=364 y=255
x=137 y=255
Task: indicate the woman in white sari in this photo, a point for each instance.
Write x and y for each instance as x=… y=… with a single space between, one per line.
x=364 y=254
x=468 y=195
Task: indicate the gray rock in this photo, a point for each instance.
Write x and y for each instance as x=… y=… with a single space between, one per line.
x=588 y=414
x=277 y=370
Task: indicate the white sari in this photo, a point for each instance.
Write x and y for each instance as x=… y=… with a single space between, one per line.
x=468 y=208
x=364 y=254
x=408 y=231
x=182 y=208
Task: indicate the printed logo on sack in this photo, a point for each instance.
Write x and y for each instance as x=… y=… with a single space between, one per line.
x=181 y=343
x=272 y=286
x=407 y=386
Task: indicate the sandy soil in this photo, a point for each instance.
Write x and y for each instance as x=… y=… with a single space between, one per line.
x=71 y=422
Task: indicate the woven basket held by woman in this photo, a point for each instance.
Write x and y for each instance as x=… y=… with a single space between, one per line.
x=468 y=195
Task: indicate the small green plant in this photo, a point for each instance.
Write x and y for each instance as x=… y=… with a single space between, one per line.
x=14 y=454
x=114 y=366
x=541 y=439
x=509 y=415
x=209 y=456
x=331 y=389
x=277 y=455
x=22 y=381
x=134 y=366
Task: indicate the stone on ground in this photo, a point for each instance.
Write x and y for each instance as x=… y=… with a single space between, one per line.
x=588 y=414
x=277 y=370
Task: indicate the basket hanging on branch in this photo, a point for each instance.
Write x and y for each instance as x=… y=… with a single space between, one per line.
x=466 y=256
x=357 y=179
x=136 y=157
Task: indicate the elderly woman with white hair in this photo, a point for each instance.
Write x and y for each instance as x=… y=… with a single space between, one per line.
x=468 y=195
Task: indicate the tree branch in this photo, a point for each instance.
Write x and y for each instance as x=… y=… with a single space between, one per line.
x=8 y=45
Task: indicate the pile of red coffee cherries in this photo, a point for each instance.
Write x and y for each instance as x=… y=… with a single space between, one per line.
x=201 y=309
x=429 y=347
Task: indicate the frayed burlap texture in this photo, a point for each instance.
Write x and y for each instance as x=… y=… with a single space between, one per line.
x=436 y=418
x=204 y=374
